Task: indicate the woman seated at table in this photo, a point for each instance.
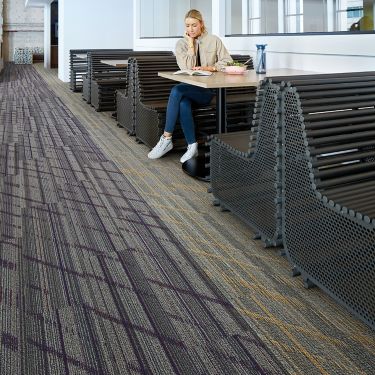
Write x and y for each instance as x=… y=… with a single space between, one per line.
x=198 y=50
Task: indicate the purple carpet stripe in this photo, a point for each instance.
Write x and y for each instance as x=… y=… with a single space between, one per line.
x=6 y=264
x=84 y=275
x=134 y=327
x=9 y=341
x=191 y=293
x=50 y=350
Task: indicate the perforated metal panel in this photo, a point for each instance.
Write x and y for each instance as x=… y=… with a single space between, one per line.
x=247 y=183
x=86 y=89
x=125 y=101
x=332 y=246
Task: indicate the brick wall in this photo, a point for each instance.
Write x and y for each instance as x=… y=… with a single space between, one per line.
x=23 y=27
x=1 y=35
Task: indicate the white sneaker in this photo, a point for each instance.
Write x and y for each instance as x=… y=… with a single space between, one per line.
x=191 y=152
x=162 y=147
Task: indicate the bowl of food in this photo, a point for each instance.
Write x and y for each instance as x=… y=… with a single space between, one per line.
x=235 y=67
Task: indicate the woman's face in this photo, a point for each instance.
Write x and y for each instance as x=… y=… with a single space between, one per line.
x=193 y=27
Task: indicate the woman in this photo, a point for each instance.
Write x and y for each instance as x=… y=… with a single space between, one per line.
x=199 y=51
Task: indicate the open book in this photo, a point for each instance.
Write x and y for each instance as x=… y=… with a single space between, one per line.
x=192 y=72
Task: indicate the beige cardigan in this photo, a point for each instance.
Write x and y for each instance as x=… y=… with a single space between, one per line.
x=212 y=52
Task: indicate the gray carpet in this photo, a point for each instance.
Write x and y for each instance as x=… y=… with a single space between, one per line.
x=92 y=281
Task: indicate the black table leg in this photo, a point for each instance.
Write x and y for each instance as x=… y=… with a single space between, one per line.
x=196 y=167
x=221 y=110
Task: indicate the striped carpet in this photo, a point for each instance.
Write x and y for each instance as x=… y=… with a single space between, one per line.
x=306 y=330
x=92 y=280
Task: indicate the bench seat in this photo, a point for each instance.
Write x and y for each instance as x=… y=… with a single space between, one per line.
x=243 y=169
x=329 y=209
x=106 y=75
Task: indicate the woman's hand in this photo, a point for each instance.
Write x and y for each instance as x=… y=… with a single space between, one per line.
x=190 y=41
x=189 y=38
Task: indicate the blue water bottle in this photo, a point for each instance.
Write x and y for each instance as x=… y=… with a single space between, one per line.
x=260 y=62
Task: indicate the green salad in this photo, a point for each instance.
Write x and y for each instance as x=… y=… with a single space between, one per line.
x=234 y=63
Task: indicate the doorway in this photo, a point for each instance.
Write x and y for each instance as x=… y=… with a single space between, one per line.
x=54 y=34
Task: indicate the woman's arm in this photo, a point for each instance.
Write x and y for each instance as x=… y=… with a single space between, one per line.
x=222 y=55
x=213 y=54
x=185 y=53
x=217 y=57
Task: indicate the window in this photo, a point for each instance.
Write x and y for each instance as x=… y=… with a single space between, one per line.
x=254 y=17
x=350 y=15
x=293 y=13
x=298 y=16
x=165 y=18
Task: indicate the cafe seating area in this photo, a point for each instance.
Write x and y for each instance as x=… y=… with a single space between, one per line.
x=290 y=190
x=244 y=245
x=151 y=96
x=291 y=167
x=138 y=87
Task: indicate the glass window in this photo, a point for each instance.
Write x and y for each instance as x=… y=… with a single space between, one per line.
x=165 y=18
x=254 y=17
x=293 y=14
x=298 y=16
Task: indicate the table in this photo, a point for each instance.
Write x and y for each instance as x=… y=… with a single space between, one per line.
x=116 y=63
x=221 y=81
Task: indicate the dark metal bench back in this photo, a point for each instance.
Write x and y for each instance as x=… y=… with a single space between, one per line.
x=79 y=65
x=339 y=122
x=328 y=211
x=100 y=70
x=149 y=86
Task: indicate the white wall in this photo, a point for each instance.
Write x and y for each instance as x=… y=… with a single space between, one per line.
x=85 y=24
x=47 y=35
x=319 y=53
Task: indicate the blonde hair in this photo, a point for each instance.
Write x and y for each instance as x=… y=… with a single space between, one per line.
x=196 y=14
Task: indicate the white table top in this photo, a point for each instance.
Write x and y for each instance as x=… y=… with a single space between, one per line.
x=222 y=80
x=116 y=63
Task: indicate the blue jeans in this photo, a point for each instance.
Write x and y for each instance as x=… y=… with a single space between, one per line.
x=179 y=105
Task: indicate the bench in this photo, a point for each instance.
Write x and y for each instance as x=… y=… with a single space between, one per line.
x=243 y=174
x=38 y=57
x=151 y=97
x=233 y=165
x=98 y=70
x=128 y=98
x=78 y=62
x=151 y=94
x=322 y=157
x=78 y=68
x=107 y=79
x=28 y=55
x=328 y=164
x=125 y=102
